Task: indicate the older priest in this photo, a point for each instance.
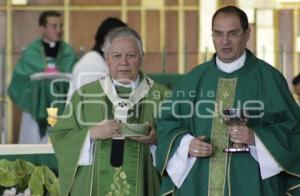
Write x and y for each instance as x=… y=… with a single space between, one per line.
x=103 y=141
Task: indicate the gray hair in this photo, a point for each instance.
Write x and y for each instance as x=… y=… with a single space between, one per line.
x=122 y=32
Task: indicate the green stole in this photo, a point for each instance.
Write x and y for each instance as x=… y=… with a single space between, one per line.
x=118 y=180
x=219 y=137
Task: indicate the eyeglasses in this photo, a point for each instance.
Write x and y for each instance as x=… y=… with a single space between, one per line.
x=230 y=35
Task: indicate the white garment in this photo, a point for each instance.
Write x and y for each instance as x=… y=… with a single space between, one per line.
x=86 y=154
x=233 y=66
x=132 y=85
x=181 y=163
x=88 y=69
x=267 y=164
x=29 y=131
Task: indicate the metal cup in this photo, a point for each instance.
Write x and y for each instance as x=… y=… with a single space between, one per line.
x=235 y=117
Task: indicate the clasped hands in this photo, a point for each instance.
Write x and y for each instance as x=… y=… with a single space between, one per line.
x=111 y=128
x=238 y=134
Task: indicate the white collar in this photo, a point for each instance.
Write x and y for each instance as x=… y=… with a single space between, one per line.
x=51 y=43
x=132 y=85
x=233 y=66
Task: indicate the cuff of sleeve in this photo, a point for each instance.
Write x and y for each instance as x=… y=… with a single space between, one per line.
x=253 y=152
x=267 y=164
x=86 y=155
x=180 y=164
x=153 y=152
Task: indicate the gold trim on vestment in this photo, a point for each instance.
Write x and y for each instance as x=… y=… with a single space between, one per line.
x=219 y=137
x=169 y=192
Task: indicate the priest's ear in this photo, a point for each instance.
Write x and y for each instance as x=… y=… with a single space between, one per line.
x=42 y=30
x=247 y=34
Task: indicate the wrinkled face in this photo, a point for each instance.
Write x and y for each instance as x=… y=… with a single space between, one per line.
x=124 y=60
x=228 y=37
x=53 y=30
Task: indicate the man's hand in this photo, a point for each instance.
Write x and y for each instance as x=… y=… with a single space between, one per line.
x=199 y=148
x=105 y=130
x=147 y=139
x=241 y=135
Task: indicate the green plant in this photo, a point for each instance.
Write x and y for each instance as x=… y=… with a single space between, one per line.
x=23 y=174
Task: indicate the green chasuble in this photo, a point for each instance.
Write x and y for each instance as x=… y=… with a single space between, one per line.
x=137 y=176
x=34 y=96
x=199 y=98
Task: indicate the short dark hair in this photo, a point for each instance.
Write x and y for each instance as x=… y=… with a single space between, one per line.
x=107 y=25
x=235 y=11
x=296 y=80
x=44 y=15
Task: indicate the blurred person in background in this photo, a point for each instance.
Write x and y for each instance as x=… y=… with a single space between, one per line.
x=47 y=54
x=92 y=65
x=296 y=85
